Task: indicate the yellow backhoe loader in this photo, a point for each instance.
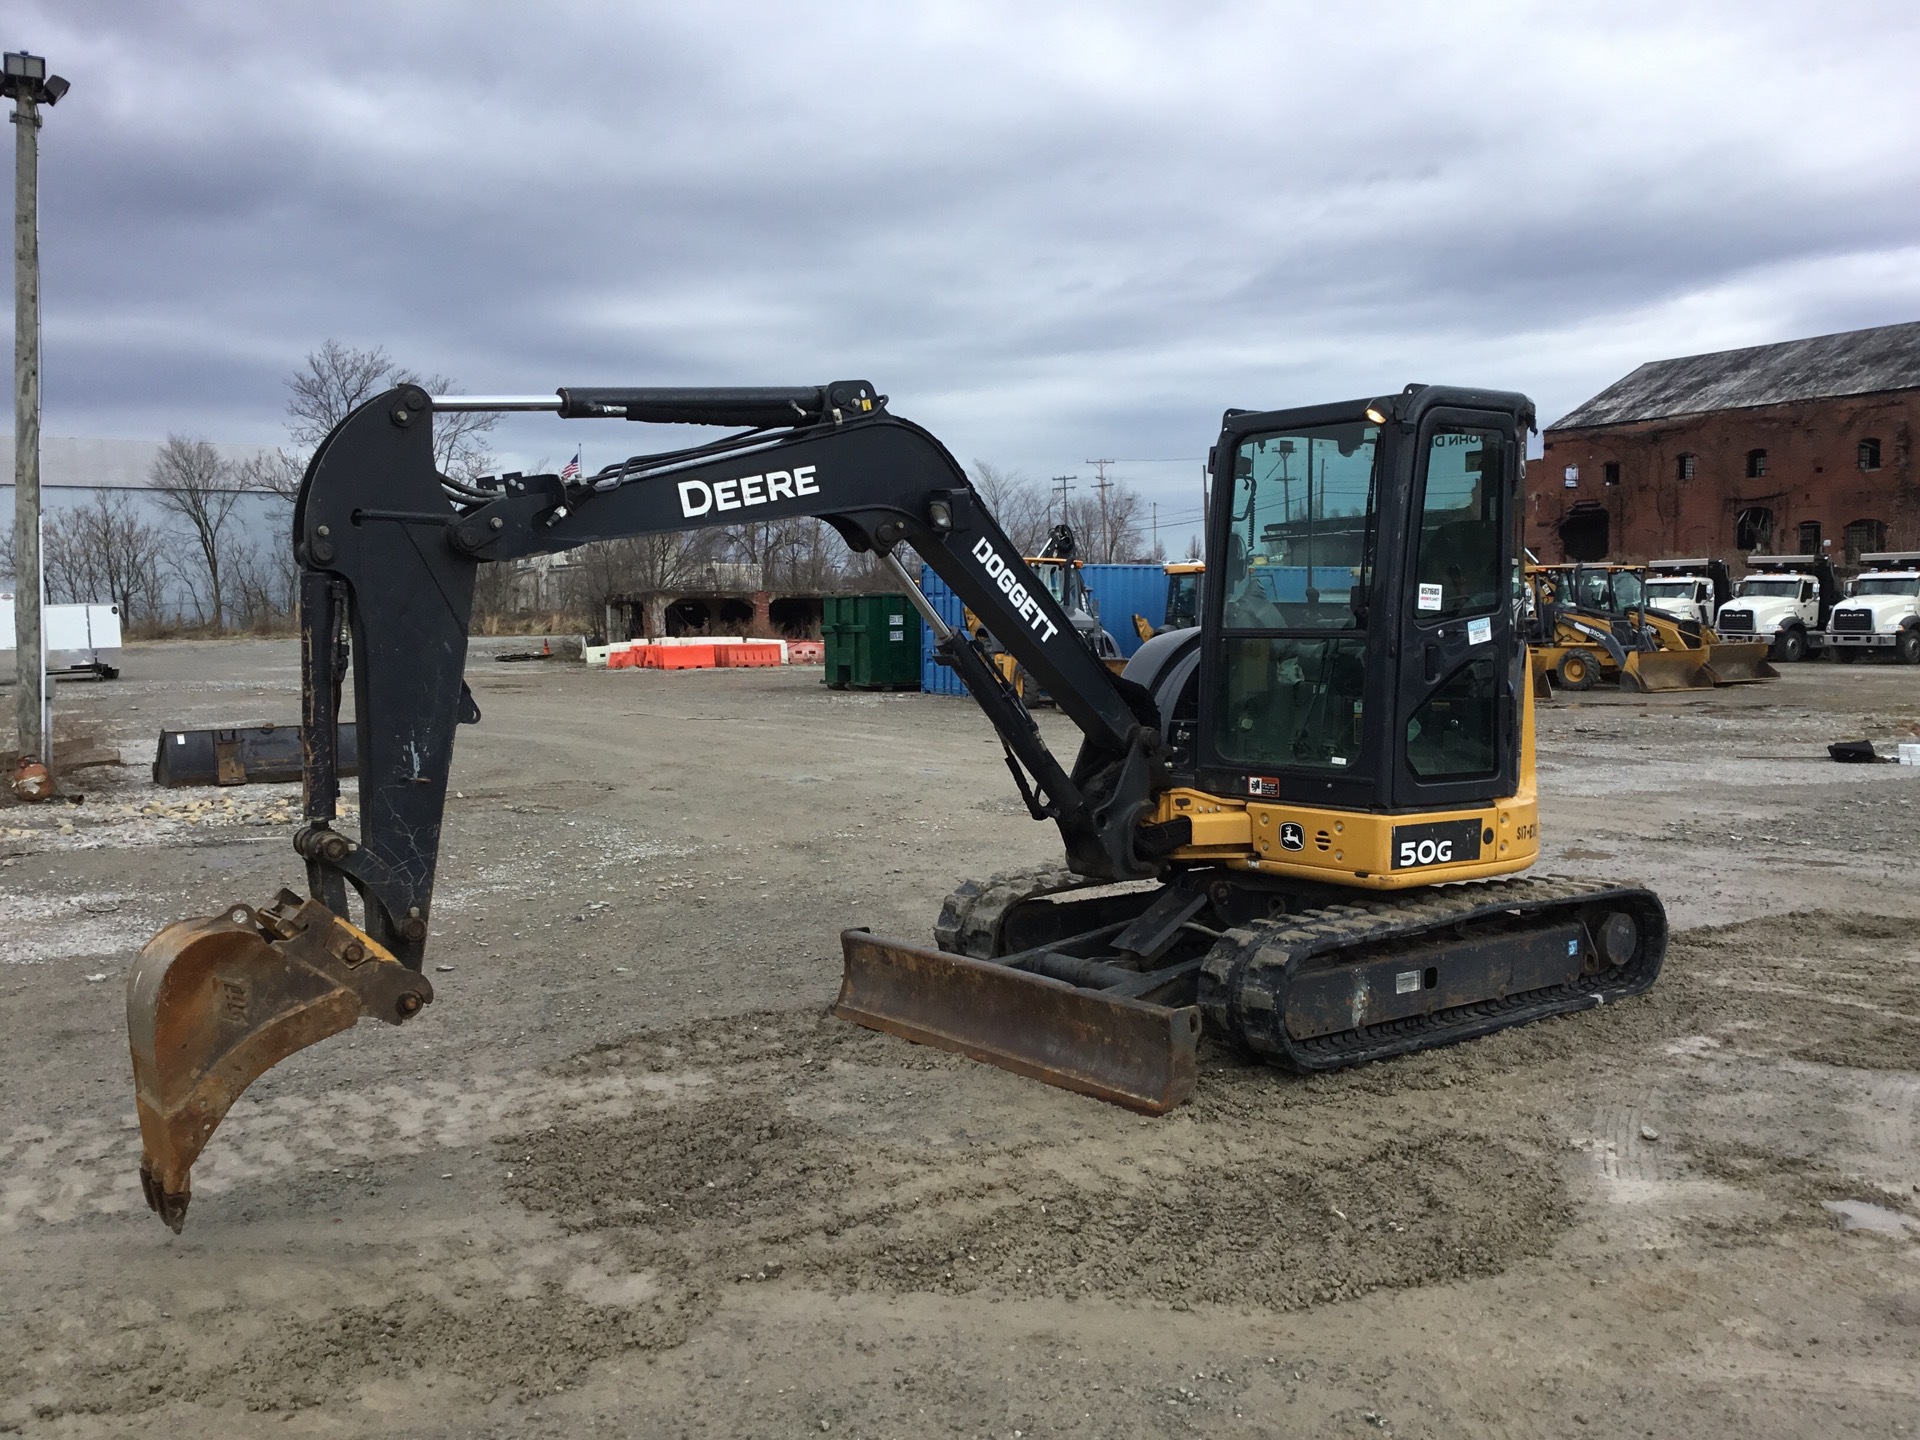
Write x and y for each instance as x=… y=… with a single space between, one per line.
x=1591 y=623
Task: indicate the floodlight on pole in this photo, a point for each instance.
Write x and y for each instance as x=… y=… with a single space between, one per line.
x=24 y=80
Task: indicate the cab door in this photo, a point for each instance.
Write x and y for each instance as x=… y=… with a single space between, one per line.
x=1456 y=724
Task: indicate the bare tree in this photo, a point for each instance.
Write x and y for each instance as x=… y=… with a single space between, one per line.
x=1019 y=504
x=815 y=557
x=1109 y=533
x=191 y=482
x=272 y=472
x=63 y=558
x=336 y=379
x=648 y=568
x=260 y=585
x=127 y=556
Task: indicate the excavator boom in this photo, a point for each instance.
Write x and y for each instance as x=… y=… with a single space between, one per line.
x=388 y=550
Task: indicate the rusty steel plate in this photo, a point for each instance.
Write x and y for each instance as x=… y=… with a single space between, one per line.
x=1127 y=1052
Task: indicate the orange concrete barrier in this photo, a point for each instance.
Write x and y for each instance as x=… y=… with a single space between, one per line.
x=747 y=654
x=680 y=657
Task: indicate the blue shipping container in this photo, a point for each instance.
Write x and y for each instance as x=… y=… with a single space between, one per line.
x=939 y=679
x=1123 y=592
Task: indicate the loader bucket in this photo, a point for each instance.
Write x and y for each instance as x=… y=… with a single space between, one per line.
x=1739 y=662
x=214 y=1003
x=1648 y=671
x=1128 y=1052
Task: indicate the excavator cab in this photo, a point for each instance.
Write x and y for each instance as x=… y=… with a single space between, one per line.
x=1262 y=828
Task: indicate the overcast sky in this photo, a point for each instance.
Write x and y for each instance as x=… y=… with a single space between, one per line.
x=1048 y=231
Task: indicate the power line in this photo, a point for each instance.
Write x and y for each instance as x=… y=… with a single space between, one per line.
x=1106 y=529
x=1060 y=483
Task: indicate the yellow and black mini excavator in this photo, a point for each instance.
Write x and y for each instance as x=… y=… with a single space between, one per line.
x=1263 y=826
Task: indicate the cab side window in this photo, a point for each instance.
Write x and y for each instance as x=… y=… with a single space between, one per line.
x=1457 y=569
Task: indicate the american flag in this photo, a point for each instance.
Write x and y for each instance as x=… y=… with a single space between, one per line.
x=571 y=470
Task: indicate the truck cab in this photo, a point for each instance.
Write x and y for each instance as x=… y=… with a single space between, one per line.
x=1687 y=589
x=1881 y=614
x=1786 y=599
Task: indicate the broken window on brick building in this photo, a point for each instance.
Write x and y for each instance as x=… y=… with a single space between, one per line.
x=1869 y=456
x=1585 y=533
x=1756 y=464
x=1683 y=466
x=1753 y=530
x=1864 y=537
x=1809 y=537
x=1610 y=472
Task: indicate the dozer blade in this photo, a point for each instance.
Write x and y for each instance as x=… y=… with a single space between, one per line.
x=213 y=1004
x=1648 y=671
x=1129 y=1052
x=1739 y=662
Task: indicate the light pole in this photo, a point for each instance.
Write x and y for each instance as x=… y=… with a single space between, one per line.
x=28 y=85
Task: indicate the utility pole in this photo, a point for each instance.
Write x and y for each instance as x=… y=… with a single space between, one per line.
x=27 y=84
x=1060 y=483
x=1155 y=507
x=1106 y=530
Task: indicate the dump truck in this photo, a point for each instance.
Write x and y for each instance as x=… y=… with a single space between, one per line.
x=1687 y=589
x=1881 y=612
x=1785 y=600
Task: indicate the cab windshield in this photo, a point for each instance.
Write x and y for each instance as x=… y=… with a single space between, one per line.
x=1056 y=578
x=1183 y=601
x=1606 y=590
x=1298 y=566
x=1669 y=590
x=1889 y=585
x=1774 y=587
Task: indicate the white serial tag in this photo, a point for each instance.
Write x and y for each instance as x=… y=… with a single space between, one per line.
x=1406 y=982
x=1429 y=597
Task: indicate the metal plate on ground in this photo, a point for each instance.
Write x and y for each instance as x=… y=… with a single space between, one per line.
x=1128 y=1052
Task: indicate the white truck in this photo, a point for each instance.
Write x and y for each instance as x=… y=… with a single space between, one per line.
x=1687 y=589
x=1881 y=614
x=1785 y=599
x=80 y=639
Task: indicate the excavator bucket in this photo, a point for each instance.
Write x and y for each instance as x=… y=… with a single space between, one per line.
x=1650 y=671
x=1739 y=662
x=1128 y=1052
x=214 y=1003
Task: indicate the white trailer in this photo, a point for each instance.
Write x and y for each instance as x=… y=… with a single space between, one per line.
x=81 y=639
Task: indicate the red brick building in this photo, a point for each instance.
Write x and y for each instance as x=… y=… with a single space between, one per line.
x=1801 y=447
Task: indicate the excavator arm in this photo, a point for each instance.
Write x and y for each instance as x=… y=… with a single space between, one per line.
x=389 y=549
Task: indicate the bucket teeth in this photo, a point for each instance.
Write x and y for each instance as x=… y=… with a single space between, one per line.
x=214 y=1003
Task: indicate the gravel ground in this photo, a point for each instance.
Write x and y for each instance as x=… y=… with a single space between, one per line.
x=624 y=1177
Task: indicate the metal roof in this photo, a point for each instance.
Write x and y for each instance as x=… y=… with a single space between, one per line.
x=1854 y=362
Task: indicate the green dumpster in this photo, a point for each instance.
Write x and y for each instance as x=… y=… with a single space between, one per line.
x=873 y=642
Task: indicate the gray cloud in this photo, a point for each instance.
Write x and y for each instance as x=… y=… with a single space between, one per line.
x=1049 y=232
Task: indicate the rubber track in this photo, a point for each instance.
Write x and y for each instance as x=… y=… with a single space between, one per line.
x=971 y=918
x=1244 y=980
